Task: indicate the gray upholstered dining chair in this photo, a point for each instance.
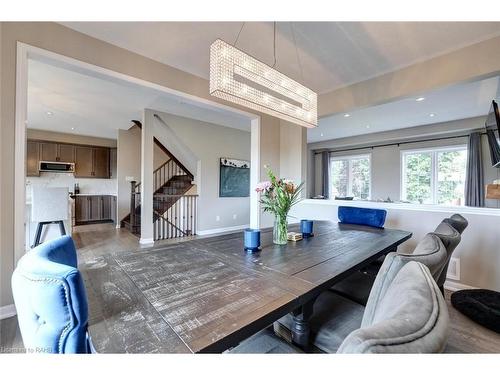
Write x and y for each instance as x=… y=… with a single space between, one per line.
x=450 y=237
x=358 y=285
x=335 y=316
x=458 y=222
x=406 y=313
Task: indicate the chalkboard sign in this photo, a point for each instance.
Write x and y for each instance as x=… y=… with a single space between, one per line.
x=234 y=178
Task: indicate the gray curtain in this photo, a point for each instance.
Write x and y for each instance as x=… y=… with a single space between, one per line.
x=325 y=173
x=474 y=181
x=494 y=148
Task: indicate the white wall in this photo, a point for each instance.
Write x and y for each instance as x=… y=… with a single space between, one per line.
x=478 y=251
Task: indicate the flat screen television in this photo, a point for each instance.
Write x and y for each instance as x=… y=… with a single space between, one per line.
x=493 y=124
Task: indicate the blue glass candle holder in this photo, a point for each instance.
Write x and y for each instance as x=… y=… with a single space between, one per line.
x=251 y=240
x=306 y=227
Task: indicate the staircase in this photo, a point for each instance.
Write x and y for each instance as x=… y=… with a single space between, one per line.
x=174 y=212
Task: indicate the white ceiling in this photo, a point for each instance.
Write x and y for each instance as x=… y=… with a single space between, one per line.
x=81 y=102
x=332 y=54
x=451 y=103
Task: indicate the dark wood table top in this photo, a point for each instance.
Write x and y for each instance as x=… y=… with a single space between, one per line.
x=206 y=295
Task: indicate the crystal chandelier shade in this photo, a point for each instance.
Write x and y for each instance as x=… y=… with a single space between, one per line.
x=240 y=78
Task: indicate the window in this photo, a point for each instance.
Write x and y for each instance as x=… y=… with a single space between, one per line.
x=434 y=176
x=350 y=176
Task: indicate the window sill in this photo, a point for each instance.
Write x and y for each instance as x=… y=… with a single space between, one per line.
x=406 y=206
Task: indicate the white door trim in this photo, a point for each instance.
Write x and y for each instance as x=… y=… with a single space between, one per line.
x=26 y=51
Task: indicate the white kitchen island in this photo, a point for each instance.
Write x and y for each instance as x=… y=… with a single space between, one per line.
x=50 y=231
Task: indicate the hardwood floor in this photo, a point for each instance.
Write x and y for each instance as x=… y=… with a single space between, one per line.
x=96 y=240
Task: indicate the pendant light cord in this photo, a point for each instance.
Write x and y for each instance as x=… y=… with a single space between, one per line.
x=238 y=36
x=297 y=52
x=274 y=44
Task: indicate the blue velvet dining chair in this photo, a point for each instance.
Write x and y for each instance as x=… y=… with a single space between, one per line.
x=362 y=216
x=50 y=299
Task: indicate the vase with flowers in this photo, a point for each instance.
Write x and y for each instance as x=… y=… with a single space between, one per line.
x=278 y=196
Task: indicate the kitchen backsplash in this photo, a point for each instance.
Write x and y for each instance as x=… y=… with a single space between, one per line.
x=101 y=186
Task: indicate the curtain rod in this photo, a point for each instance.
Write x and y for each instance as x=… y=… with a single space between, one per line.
x=395 y=143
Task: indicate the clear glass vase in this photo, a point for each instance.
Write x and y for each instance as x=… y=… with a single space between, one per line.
x=280 y=230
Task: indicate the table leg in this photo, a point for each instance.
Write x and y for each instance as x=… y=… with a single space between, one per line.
x=300 y=327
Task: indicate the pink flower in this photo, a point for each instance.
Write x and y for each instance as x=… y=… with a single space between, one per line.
x=263 y=186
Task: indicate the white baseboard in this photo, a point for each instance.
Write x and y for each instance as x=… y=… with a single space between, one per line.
x=222 y=230
x=7 y=311
x=453 y=286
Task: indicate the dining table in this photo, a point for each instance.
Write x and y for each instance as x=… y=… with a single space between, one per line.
x=208 y=294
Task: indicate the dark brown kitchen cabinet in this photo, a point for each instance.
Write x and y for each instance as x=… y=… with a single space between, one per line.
x=101 y=162
x=83 y=161
x=66 y=153
x=92 y=162
x=32 y=159
x=60 y=152
x=105 y=207
x=82 y=209
x=94 y=208
x=48 y=151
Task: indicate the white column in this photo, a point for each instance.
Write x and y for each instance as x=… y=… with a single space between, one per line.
x=254 y=173
x=147 y=147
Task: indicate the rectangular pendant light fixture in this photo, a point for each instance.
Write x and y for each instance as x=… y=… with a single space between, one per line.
x=240 y=78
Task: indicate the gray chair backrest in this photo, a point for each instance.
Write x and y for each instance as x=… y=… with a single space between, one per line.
x=409 y=316
x=430 y=251
x=450 y=238
x=458 y=222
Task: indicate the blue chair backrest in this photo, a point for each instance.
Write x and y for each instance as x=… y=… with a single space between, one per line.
x=362 y=216
x=50 y=299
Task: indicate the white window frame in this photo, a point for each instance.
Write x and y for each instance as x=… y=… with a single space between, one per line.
x=349 y=159
x=434 y=176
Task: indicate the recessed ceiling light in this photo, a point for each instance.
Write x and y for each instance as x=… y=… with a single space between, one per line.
x=347 y=115
x=72 y=128
x=432 y=114
x=321 y=135
x=420 y=99
x=368 y=126
x=49 y=113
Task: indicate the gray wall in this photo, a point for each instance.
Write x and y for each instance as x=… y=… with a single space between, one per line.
x=386 y=169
